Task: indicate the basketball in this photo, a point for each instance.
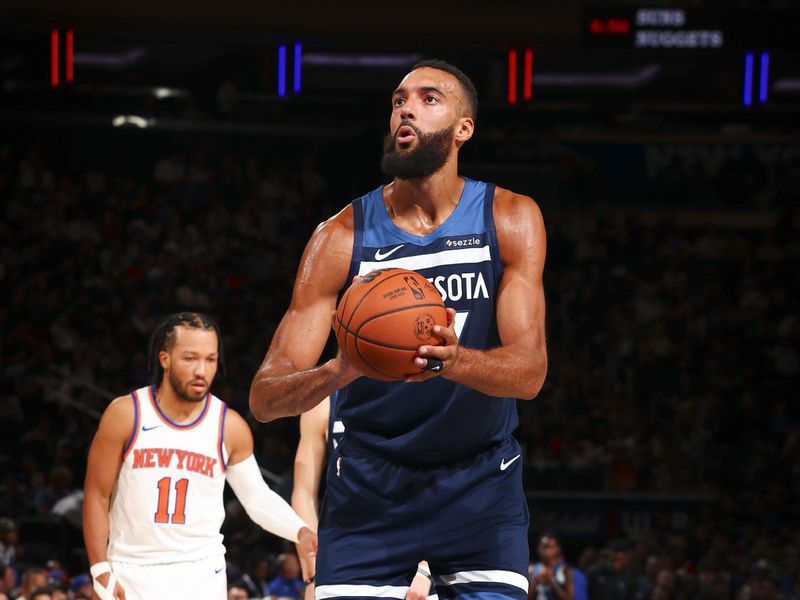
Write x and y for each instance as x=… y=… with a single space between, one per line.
x=384 y=317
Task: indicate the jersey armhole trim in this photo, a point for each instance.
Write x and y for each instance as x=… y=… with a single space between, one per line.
x=135 y=433
x=222 y=414
x=491 y=229
x=358 y=236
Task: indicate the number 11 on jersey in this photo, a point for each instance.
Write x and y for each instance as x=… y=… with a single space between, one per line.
x=179 y=516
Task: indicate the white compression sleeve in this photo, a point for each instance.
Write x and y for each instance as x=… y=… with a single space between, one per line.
x=263 y=505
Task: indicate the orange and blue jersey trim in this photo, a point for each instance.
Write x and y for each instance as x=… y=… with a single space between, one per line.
x=166 y=420
x=135 y=433
x=222 y=413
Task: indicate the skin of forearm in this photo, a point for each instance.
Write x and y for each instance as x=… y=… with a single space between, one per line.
x=95 y=528
x=507 y=371
x=273 y=396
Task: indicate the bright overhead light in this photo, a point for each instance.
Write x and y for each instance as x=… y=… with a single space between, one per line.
x=165 y=92
x=134 y=120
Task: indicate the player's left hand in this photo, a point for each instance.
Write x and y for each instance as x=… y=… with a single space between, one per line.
x=447 y=353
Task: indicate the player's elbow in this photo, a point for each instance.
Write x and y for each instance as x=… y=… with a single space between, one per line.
x=535 y=380
x=258 y=406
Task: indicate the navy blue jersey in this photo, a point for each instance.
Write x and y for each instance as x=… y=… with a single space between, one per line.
x=437 y=420
x=335 y=425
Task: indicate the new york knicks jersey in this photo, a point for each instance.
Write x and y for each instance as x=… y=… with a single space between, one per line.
x=437 y=420
x=167 y=504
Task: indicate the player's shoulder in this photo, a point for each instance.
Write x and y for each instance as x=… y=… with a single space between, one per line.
x=339 y=225
x=519 y=225
x=511 y=205
x=119 y=416
x=235 y=424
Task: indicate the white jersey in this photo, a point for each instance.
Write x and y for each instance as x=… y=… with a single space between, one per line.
x=167 y=504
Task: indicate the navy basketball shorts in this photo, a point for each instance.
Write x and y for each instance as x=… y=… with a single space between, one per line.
x=468 y=519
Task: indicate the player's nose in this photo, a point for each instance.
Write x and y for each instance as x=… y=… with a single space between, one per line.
x=406 y=112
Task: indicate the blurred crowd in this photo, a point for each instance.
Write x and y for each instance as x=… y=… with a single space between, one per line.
x=674 y=350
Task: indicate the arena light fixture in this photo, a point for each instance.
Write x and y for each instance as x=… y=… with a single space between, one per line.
x=134 y=120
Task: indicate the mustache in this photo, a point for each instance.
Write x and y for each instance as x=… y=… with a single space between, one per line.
x=408 y=124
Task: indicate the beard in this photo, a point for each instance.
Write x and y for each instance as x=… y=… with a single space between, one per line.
x=429 y=156
x=183 y=391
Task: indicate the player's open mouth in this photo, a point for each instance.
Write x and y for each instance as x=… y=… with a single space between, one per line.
x=405 y=135
x=198 y=387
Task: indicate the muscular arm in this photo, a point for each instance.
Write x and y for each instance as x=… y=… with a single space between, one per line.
x=288 y=381
x=518 y=367
x=102 y=469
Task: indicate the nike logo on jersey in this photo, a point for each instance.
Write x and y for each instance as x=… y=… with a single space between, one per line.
x=504 y=465
x=380 y=255
x=218 y=570
x=146 y=428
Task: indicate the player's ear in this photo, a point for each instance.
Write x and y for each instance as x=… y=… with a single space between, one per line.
x=464 y=129
x=163 y=358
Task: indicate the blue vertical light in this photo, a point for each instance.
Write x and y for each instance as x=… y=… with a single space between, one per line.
x=282 y=70
x=747 y=99
x=298 y=64
x=764 y=80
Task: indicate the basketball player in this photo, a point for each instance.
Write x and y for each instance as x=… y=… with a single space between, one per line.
x=320 y=434
x=156 y=471
x=427 y=467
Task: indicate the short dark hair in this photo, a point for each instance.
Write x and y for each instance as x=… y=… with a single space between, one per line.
x=40 y=592
x=163 y=338
x=463 y=79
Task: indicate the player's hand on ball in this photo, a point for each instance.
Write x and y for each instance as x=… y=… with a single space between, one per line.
x=446 y=354
x=343 y=367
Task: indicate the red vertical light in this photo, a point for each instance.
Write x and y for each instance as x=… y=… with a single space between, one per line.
x=54 y=58
x=68 y=71
x=527 y=77
x=512 y=76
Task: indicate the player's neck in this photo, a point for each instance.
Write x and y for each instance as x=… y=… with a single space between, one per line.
x=175 y=408
x=428 y=199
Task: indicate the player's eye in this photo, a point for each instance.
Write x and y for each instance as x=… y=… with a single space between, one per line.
x=398 y=101
x=431 y=99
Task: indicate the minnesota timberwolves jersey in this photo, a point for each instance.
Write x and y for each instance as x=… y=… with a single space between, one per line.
x=335 y=425
x=437 y=420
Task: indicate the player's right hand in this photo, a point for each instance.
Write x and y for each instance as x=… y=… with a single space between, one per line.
x=344 y=369
x=420 y=588
x=119 y=591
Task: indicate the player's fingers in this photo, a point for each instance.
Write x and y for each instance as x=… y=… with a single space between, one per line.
x=120 y=592
x=451 y=316
x=440 y=352
x=448 y=334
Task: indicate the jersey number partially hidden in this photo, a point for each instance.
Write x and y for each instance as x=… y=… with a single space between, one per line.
x=181 y=487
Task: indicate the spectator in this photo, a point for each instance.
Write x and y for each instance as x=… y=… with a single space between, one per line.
x=614 y=579
x=8 y=553
x=288 y=583
x=237 y=591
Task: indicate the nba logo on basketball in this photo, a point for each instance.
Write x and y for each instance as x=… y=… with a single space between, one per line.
x=423 y=326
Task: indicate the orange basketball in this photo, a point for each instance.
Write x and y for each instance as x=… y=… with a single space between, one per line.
x=384 y=317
